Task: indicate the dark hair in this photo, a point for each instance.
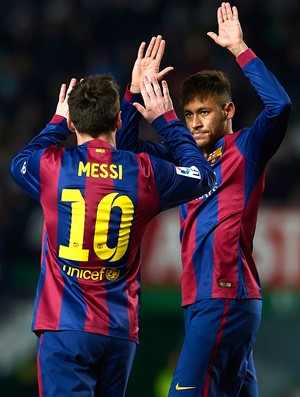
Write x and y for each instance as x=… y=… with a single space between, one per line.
x=94 y=104
x=205 y=84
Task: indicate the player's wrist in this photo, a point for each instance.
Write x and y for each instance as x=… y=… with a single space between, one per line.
x=238 y=48
x=135 y=88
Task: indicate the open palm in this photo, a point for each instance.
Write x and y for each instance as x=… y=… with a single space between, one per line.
x=230 y=31
x=148 y=64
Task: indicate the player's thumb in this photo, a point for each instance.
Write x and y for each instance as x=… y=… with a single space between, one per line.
x=164 y=72
x=140 y=108
x=212 y=35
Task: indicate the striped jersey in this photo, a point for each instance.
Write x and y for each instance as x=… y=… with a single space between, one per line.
x=97 y=202
x=217 y=228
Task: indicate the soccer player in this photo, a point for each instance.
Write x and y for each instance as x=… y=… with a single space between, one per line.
x=97 y=202
x=221 y=291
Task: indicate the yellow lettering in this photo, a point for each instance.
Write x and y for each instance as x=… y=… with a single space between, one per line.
x=85 y=274
x=95 y=170
x=103 y=169
x=73 y=270
x=84 y=168
x=101 y=273
x=95 y=276
x=113 y=174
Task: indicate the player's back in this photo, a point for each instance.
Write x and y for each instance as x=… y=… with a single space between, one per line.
x=98 y=192
x=96 y=202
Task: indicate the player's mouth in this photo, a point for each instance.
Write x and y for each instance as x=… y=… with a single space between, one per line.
x=199 y=134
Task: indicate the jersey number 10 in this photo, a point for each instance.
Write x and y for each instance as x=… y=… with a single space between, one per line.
x=75 y=250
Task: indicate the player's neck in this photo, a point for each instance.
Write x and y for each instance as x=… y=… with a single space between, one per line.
x=109 y=138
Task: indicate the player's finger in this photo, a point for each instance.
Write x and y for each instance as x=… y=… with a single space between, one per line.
x=228 y=11
x=71 y=86
x=150 y=47
x=62 y=92
x=235 y=14
x=141 y=50
x=148 y=86
x=156 y=87
x=144 y=90
x=159 y=47
x=159 y=51
x=220 y=15
x=165 y=88
x=166 y=93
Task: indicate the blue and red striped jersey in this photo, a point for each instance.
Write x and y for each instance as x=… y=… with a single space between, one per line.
x=217 y=229
x=97 y=202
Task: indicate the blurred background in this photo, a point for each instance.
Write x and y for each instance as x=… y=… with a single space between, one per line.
x=44 y=43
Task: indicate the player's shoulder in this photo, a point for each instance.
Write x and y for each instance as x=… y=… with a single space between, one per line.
x=228 y=138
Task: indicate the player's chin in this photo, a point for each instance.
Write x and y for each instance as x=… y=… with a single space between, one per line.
x=201 y=142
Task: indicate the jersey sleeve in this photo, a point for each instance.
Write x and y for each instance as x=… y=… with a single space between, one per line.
x=25 y=166
x=177 y=185
x=127 y=138
x=262 y=139
x=193 y=177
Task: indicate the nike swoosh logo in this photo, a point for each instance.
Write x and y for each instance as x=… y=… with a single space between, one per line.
x=177 y=387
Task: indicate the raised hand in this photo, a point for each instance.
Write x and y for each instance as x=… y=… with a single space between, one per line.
x=148 y=63
x=62 y=107
x=230 y=32
x=157 y=101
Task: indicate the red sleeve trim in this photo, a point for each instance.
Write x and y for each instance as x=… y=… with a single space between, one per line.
x=128 y=94
x=170 y=115
x=56 y=119
x=245 y=57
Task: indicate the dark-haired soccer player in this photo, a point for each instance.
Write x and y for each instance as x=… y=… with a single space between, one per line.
x=221 y=291
x=97 y=202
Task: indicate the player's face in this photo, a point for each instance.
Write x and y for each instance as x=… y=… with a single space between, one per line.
x=208 y=121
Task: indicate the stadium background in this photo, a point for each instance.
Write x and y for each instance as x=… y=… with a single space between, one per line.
x=44 y=43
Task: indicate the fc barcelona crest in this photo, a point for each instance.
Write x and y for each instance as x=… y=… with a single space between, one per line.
x=214 y=156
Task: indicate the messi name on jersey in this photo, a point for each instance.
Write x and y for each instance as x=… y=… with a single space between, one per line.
x=103 y=170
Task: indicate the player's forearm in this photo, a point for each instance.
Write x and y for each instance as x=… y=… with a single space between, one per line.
x=54 y=132
x=127 y=138
x=271 y=92
x=24 y=166
x=271 y=125
x=176 y=137
x=181 y=143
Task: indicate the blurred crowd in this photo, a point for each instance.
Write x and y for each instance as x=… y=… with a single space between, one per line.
x=46 y=42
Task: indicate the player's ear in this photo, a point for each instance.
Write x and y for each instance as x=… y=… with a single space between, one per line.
x=118 y=121
x=229 y=110
x=70 y=124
